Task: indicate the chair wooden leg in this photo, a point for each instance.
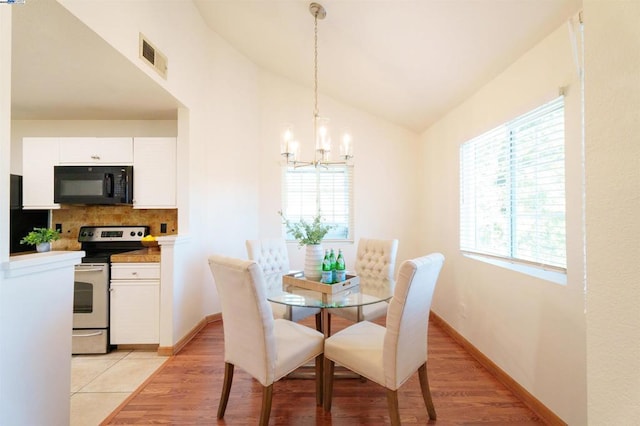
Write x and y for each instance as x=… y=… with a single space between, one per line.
x=328 y=325
x=319 y=379
x=265 y=412
x=226 y=388
x=392 y=402
x=319 y=322
x=329 y=366
x=426 y=392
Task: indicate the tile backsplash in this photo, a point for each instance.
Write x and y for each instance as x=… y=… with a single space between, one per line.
x=73 y=217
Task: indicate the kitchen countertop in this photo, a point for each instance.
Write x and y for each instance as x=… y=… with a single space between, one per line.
x=29 y=262
x=137 y=256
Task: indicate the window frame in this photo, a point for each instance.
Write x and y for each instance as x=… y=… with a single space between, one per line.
x=549 y=114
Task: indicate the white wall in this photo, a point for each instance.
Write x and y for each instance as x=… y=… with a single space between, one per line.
x=5 y=127
x=36 y=319
x=218 y=134
x=612 y=112
x=533 y=329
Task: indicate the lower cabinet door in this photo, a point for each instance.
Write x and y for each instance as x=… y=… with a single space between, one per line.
x=134 y=312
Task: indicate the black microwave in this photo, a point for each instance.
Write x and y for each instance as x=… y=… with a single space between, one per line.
x=93 y=184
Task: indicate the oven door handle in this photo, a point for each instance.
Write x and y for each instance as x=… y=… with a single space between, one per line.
x=97 y=333
x=90 y=269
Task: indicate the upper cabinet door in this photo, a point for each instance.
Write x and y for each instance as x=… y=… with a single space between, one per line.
x=39 y=155
x=154 y=173
x=88 y=150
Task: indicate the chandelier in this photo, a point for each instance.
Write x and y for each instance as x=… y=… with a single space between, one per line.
x=290 y=147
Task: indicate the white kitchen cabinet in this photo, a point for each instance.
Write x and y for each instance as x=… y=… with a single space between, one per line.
x=154 y=173
x=39 y=155
x=89 y=150
x=135 y=303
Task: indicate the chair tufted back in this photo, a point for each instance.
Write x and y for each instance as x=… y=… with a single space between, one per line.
x=375 y=263
x=270 y=254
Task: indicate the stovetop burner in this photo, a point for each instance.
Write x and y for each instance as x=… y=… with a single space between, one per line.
x=100 y=242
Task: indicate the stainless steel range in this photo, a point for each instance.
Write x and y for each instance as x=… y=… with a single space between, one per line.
x=91 y=287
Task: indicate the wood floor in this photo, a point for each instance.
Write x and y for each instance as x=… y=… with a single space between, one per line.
x=186 y=392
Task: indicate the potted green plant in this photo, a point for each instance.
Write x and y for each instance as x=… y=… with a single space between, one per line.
x=307 y=233
x=310 y=235
x=41 y=238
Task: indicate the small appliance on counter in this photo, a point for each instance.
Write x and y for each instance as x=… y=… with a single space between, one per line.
x=91 y=283
x=22 y=221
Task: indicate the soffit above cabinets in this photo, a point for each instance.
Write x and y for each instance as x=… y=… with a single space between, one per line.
x=62 y=70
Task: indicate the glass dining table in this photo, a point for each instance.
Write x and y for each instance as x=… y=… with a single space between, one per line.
x=292 y=296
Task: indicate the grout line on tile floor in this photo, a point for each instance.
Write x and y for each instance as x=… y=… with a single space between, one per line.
x=89 y=406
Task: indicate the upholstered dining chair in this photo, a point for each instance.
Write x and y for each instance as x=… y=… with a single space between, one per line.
x=273 y=258
x=375 y=265
x=266 y=348
x=390 y=355
x=270 y=254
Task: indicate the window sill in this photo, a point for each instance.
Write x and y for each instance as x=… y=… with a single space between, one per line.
x=543 y=274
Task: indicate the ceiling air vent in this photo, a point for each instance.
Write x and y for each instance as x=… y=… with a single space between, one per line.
x=153 y=57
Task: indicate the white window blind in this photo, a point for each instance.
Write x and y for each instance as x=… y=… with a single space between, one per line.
x=512 y=189
x=328 y=189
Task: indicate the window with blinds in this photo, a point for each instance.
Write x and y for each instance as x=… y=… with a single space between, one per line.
x=512 y=190
x=327 y=189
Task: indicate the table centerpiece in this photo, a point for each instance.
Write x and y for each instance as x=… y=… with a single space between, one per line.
x=309 y=235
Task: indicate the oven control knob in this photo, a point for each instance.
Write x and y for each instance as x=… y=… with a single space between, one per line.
x=139 y=233
x=132 y=233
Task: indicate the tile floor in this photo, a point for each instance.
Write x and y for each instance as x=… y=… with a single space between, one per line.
x=99 y=383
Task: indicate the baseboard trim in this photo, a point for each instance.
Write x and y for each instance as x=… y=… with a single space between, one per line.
x=172 y=350
x=539 y=408
x=140 y=347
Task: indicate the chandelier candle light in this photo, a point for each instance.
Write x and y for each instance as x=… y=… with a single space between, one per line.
x=290 y=148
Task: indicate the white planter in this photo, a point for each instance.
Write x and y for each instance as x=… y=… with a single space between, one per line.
x=313 y=261
x=42 y=247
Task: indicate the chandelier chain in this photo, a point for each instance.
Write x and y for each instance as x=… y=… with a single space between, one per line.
x=315 y=69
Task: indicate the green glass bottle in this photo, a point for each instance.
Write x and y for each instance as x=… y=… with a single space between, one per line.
x=332 y=259
x=341 y=272
x=327 y=275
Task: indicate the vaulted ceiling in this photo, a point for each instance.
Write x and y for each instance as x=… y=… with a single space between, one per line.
x=408 y=61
